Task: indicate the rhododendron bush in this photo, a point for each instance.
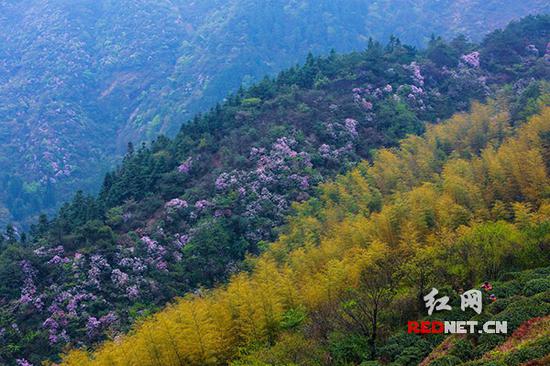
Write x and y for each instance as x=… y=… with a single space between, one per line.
x=183 y=214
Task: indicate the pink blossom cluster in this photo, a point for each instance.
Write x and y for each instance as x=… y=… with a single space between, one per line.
x=469 y=78
x=75 y=301
x=413 y=96
x=202 y=204
x=327 y=152
x=270 y=165
x=416 y=90
x=364 y=97
x=324 y=150
x=282 y=146
x=351 y=126
x=177 y=203
x=132 y=292
x=56 y=325
x=119 y=278
x=532 y=50
x=95 y=326
x=224 y=181
x=417 y=76
x=98 y=264
x=360 y=96
x=44 y=252
x=135 y=264
x=185 y=167
x=156 y=253
x=181 y=240
x=415 y=102
x=282 y=168
x=471 y=59
x=266 y=200
x=28 y=291
x=58 y=260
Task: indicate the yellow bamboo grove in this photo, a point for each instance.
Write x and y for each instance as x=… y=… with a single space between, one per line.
x=447 y=197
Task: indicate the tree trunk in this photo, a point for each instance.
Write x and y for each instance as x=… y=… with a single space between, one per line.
x=374 y=332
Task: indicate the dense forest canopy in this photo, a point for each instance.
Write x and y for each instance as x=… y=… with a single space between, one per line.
x=183 y=214
x=470 y=198
x=80 y=79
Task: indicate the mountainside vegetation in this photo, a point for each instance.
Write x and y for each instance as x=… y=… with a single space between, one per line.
x=182 y=215
x=80 y=79
x=466 y=202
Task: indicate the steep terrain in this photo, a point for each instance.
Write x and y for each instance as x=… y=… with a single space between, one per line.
x=80 y=79
x=465 y=203
x=183 y=213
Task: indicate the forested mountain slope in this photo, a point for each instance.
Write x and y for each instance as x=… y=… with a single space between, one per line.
x=465 y=203
x=183 y=213
x=80 y=79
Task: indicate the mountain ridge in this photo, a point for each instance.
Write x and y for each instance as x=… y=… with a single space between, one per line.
x=76 y=75
x=183 y=213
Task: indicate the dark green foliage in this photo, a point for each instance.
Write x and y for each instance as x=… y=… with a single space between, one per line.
x=507 y=48
x=10 y=275
x=515 y=306
x=348 y=348
x=443 y=54
x=519 y=310
x=486 y=363
x=213 y=249
x=536 y=286
x=398 y=120
x=405 y=349
x=463 y=349
x=410 y=356
x=305 y=107
x=293 y=318
x=78 y=82
x=533 y=351
x=447 y=360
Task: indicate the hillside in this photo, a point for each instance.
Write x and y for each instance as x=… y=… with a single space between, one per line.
x=79 y=80
x=524 y=301
x=183 y=213
x=469 y=198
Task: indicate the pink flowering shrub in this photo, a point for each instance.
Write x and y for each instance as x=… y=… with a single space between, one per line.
x=202 y=204
x=417 y=76
x=351 y=126
x=471 y=59
x=132 y=292
x=95 y=326
x=242 y=178
x=176 y=203
x=119 y=278
x=181 y=240
x=185 y=167
x=361 y=97
x=28 y=291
